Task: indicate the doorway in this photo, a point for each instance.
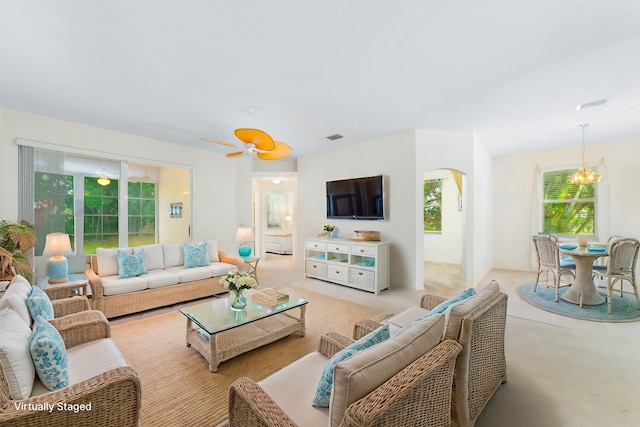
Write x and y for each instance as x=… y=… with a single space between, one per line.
x=444 y=231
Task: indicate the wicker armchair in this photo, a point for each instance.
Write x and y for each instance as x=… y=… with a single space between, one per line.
x=419 y=394
x=114 y=394
x=620 y=267
x=481 y=365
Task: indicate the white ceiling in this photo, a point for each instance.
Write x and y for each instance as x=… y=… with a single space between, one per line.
x=512 y=71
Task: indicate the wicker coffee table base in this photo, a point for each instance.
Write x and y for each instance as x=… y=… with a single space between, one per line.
x=233 y=342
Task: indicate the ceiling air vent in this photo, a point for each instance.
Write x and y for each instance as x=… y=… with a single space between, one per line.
x=334 y=136
x=592 y=104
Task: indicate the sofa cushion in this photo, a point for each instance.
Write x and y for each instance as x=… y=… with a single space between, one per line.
x=104 y=355
x=440 y=308
x=49 y=355
x=191 y=274
x=153 y=256
x=15 y=358
x=461 y=309
x=407 y=316
x=160 y=278
x=293 y=387
x=221 y=268
x=39 y=304
x=212 y=249
x=131 y=265
x=323 y=392
x=365 y=371
x=173 y=255
x=195 y=255
x=114 y=286
x=107 y=259
x=15 y=297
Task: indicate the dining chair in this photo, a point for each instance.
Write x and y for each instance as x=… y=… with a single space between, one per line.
x=601 y=263
x=549 y=262
x=621 y=267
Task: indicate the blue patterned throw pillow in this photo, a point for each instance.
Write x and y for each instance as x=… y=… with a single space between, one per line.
x=39 y=304
x=49 y=355
x=196 y=256
x=323 y=392
x=443 y=306
x=131 y=265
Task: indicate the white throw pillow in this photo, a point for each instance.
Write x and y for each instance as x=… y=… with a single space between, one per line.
x=15 y=298
x=108 y=260
x=212 y=247
x=15 y=357
x=153 y=256
x=173 y=255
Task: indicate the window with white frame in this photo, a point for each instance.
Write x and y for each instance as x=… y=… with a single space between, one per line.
x=567 y=208
x=433 y=205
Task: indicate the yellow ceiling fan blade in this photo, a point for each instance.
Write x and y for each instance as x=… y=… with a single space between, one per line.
x=235 y=154
x=257 y=137
x=215 y=141
x=281 y=150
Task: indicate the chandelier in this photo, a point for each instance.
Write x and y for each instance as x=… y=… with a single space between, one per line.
x=584 y=175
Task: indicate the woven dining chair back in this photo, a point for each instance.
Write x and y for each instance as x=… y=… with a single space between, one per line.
x=621 y=267
x=549 y=263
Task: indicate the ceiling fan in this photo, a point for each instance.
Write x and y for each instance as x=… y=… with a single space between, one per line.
x=256 y=141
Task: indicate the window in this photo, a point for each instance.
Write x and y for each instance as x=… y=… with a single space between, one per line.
x=142 y=213
x=567 y=208
x=53 y=206
x=100 y=215
x=433 y=205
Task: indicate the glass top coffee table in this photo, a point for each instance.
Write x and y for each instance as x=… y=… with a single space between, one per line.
x=219 y=332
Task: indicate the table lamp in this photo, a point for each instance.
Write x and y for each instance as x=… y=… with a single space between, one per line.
x=244 y=235
x=57 y=246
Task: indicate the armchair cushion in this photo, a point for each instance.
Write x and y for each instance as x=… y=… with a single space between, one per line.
x=323 y=392
x=460 y=310
x=49 y=355
x=196 y=256
x=39 y=304
x=15 y=297
x=15 y=359
x=368 y=369
x=130 y=265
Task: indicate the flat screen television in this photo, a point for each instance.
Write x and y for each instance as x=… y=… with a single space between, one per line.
x=356 y=198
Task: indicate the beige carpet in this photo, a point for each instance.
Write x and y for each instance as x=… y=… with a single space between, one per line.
x=177 y=387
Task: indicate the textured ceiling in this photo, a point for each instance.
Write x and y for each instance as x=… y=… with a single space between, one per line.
x=511 y=71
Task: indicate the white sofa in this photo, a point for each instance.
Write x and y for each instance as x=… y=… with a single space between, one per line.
x=166 y=281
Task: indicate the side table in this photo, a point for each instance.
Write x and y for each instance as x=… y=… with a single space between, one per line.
x=251 y=268
x=76 y=284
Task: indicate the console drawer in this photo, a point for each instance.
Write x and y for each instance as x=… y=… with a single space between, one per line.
x=363 y=279
x=363 y=250
x=338 y=272
x=316 y=245
x=313 y=268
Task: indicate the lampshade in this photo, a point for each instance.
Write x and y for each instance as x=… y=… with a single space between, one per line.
x=56 y=246
x=584 y=175
x=244 y=235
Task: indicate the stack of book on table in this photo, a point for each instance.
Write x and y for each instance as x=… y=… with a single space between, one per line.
x=270 y=297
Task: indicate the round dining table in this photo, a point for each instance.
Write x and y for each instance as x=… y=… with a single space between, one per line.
x=583 y=291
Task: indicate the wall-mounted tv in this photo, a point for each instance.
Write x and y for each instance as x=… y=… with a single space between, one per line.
x=356 y=198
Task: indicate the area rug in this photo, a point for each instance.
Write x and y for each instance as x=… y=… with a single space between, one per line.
x=623 y=309
x=177 y=387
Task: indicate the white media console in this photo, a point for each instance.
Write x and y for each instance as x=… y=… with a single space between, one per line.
x=358 y=264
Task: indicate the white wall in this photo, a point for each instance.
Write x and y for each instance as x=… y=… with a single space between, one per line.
x=445 y=246
x=515 y=182
x=391 y=156
x=214 y=186
x=481 y=232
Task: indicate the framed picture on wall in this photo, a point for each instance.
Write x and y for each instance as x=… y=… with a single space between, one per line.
x=175 y=210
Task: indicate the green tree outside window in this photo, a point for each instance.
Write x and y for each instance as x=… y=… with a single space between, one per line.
x=433 y=205
x=567 y=208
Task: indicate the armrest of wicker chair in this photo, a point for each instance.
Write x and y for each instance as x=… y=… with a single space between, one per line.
x=66 y=306
x=332 y=342
x=79 y=328
x=363 y=327
x=250 y=405
x=420 y=394
x=114 y=397
x=428 y=301
x=95 y=283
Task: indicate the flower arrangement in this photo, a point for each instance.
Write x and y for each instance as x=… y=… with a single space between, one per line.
x=236 y=281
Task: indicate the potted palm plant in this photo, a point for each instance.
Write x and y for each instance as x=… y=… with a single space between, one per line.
x=15 y=240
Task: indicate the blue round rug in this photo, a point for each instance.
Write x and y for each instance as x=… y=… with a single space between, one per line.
x=623 y=309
